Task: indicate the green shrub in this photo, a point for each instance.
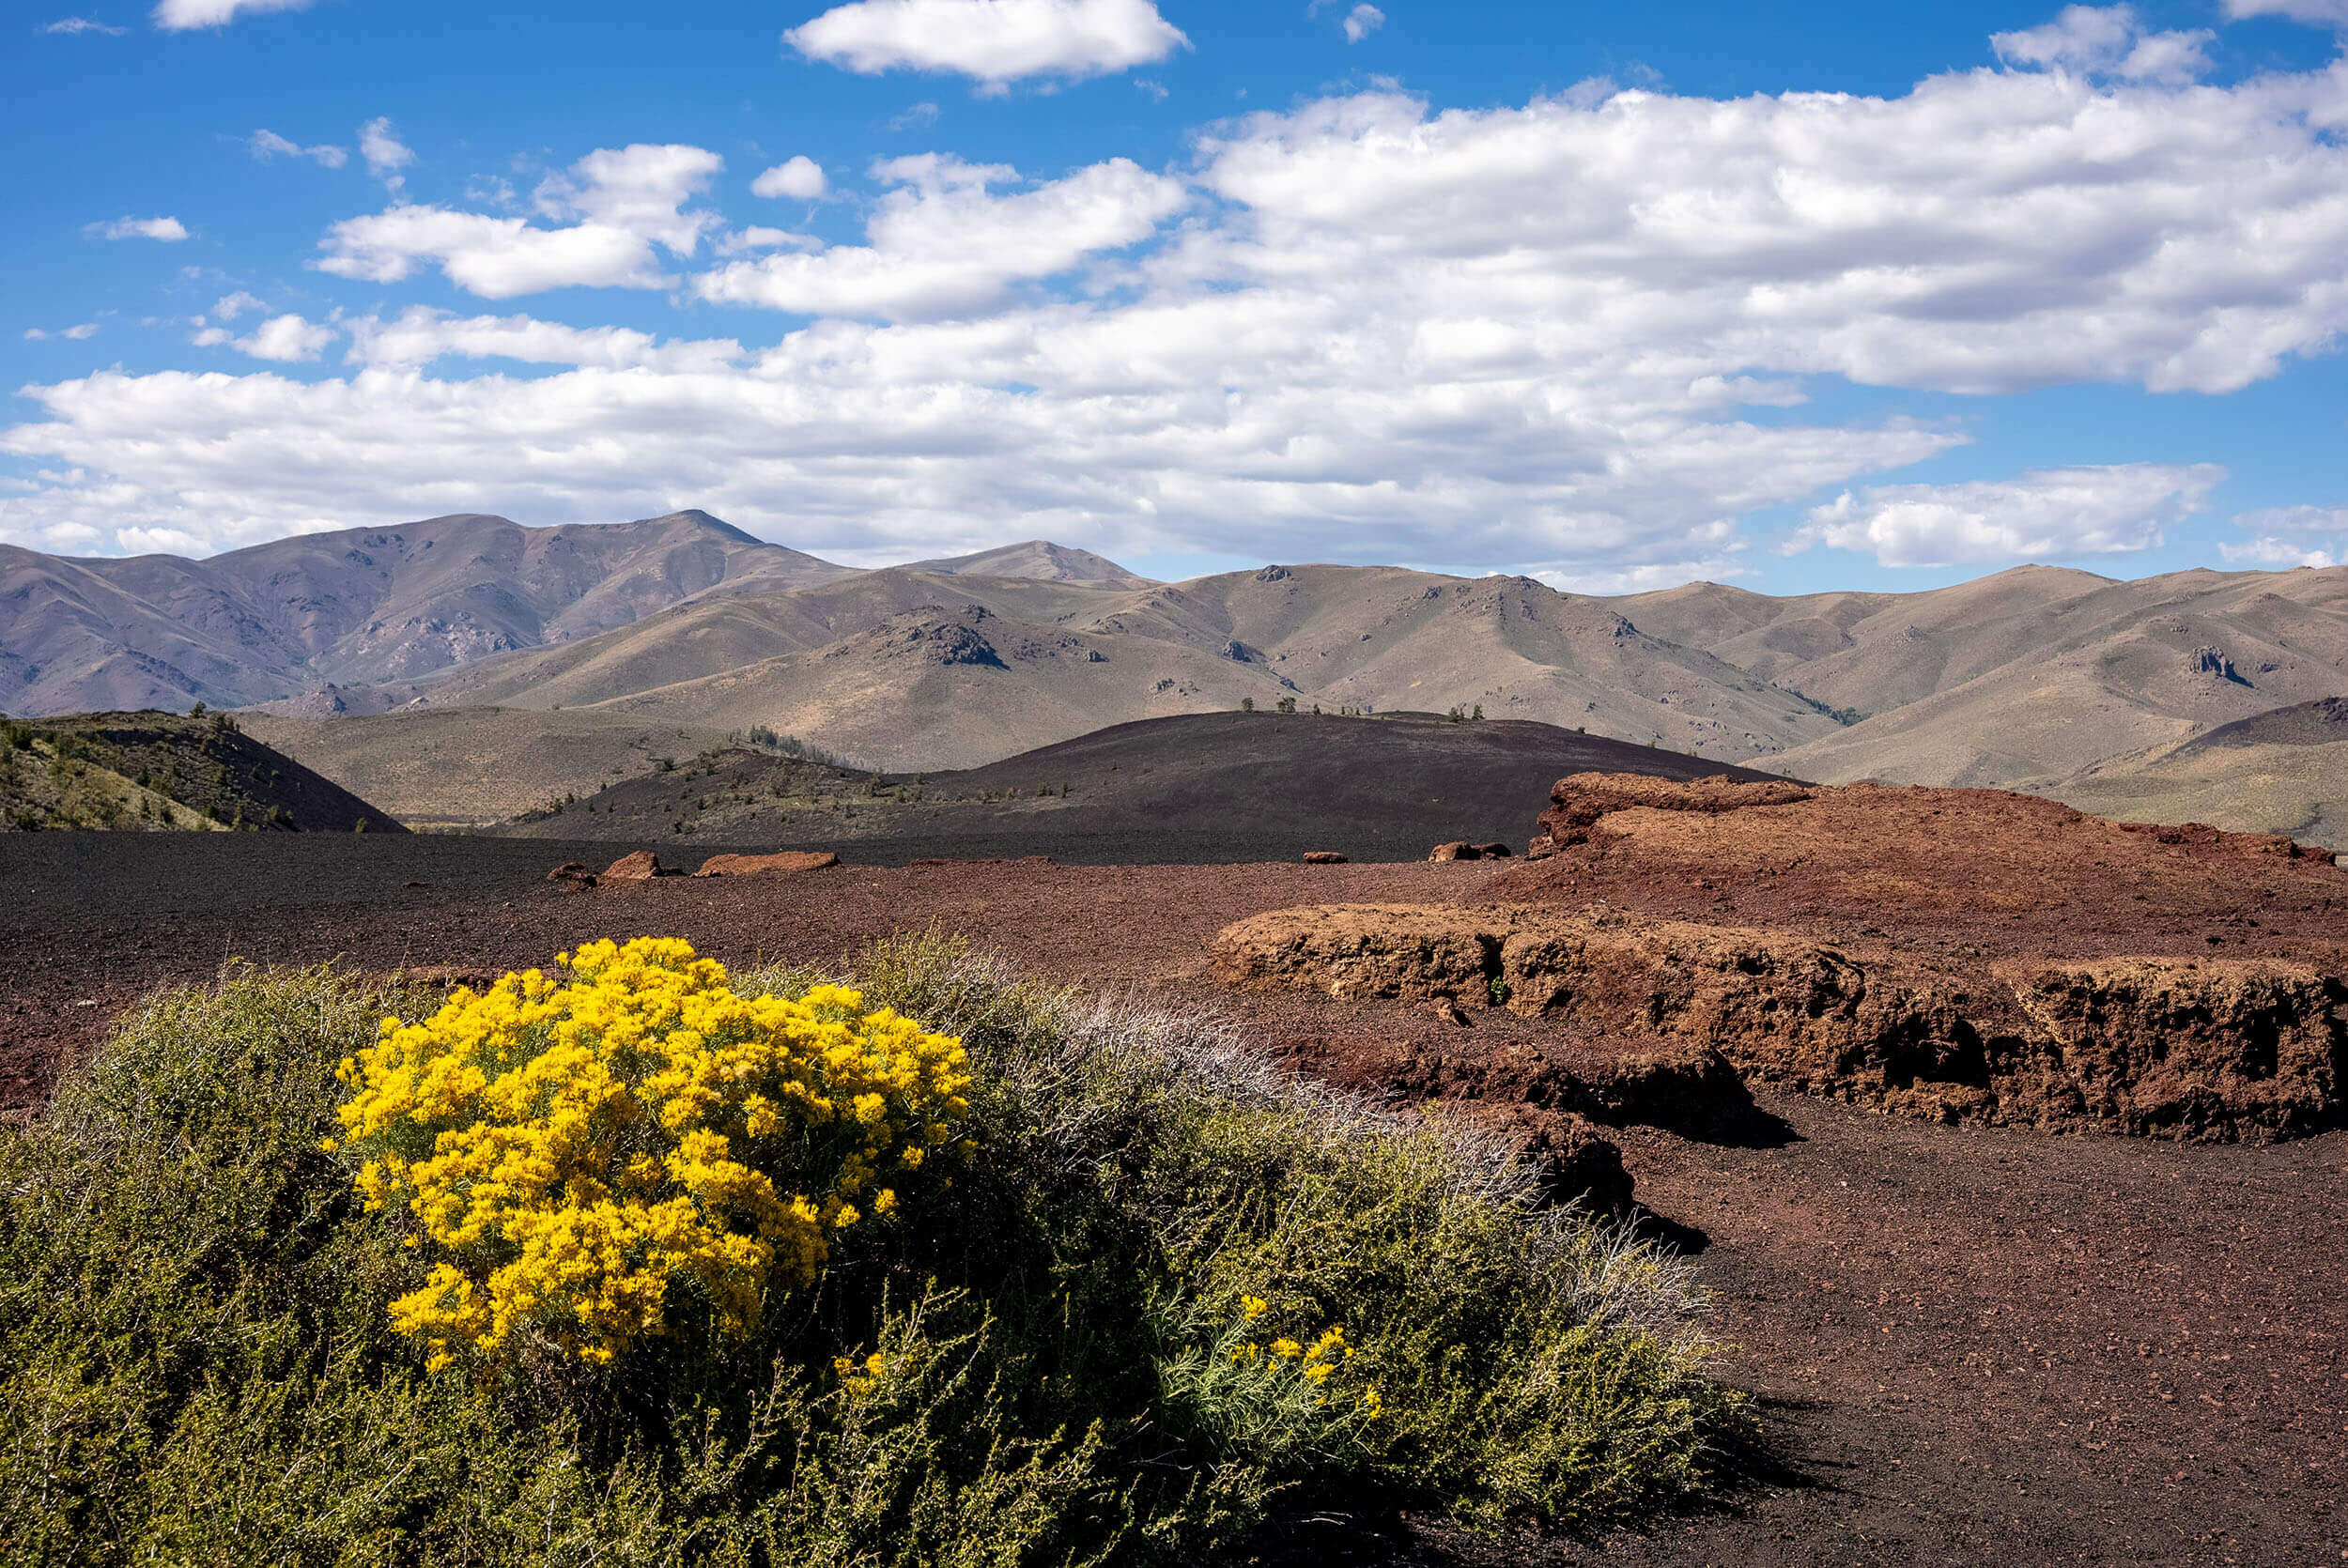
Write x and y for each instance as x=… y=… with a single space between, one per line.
x=196 y=1362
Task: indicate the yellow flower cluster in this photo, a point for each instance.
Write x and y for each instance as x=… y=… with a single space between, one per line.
x=1316 y=1363
x=573 y=1143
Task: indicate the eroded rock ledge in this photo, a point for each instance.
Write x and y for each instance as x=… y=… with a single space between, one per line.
x=2216 y=1050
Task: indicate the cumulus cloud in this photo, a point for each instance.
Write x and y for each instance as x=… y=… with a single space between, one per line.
x=387 y=156
x=230 y=306
x=266 y=144
x=2268 y=550
x=800 y=178
x=1527 y=336
x=621 y=203
x=74 y=24
x=2316 y=14
x=2060 y=513
x=287 y=339
x=170 y=229
x=996 y=42
x=2289 y=535
x=180 y=16
x=2107 y=40
x=944 y=243
x=1362 y=21
x=420 y=335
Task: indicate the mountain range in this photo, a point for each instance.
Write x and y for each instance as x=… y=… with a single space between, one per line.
x=550 y=660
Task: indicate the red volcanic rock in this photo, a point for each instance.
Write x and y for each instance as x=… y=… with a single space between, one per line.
x=1580 y=800
x=1323 y=857
x=1460 y=849
x=572 y=873
x=2201 y=1049
x=640 y=867
x=758 y=864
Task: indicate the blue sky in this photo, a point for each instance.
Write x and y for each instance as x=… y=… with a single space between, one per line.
x=1798 y=297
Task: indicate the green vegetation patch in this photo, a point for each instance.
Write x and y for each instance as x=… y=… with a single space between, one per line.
x=1111 y=1325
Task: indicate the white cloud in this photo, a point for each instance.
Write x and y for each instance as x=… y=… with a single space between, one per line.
x=2316 y=14
x=286 y=338
x=2107 y=40
x=1362 y=21
x=755 y=238
x=76 y=333
x=230 y=306
x=944 y=243
x=138 y=228
x=422 y=335
x=180 y=16
x=2281 y=536
x=623 y=202
x=996 y=42
x=385 y=153
x=917 y=117
x=1520 y=336
x=73 y=24
x=2058 y=513
x=266 y=144
x=800 y=178
x=2267 y=551
x=2295 y=519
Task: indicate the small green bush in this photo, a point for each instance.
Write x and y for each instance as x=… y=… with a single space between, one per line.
x=196 y=1362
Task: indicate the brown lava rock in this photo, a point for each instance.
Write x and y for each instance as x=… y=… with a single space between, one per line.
x=642 y=866
x=1578 y=801
x=756 y=865
x=572 y=873
x=2182 y=1047
x=1323 y=857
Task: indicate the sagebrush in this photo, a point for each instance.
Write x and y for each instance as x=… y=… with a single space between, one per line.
x=199 y=1362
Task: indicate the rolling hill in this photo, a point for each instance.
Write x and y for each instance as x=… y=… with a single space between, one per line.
x=305 y=614
x=157 y=772
x=1233 y=786
x=906 y=668
x=2285 y=770
x=567 y=650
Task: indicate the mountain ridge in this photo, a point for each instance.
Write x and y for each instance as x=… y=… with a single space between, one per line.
x=2037 y=678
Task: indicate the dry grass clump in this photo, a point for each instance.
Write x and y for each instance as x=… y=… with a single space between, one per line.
x=1042 y=1363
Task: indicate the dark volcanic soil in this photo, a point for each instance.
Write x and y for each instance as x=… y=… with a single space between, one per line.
x=1262 y=786
x=1972 y=1345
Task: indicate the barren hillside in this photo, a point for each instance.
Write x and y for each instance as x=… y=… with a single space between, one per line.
x=353 y=606
x=2025 y=697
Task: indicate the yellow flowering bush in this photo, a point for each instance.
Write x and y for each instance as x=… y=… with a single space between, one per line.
x=573 y=1145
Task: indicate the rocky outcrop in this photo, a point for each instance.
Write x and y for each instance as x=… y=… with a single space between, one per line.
x=1323 y=857
x=1577 y=802
x=2195 y=1049
x=642 y=866
x=573 y=875
x=760 y=865
x=1461 y=850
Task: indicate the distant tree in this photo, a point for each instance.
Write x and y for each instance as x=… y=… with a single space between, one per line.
x=1246 y=704
x=1479 y=711
x=1287 y=704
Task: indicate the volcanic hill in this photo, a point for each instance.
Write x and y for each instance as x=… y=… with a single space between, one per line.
x=156 y=771
x=1197 y=787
